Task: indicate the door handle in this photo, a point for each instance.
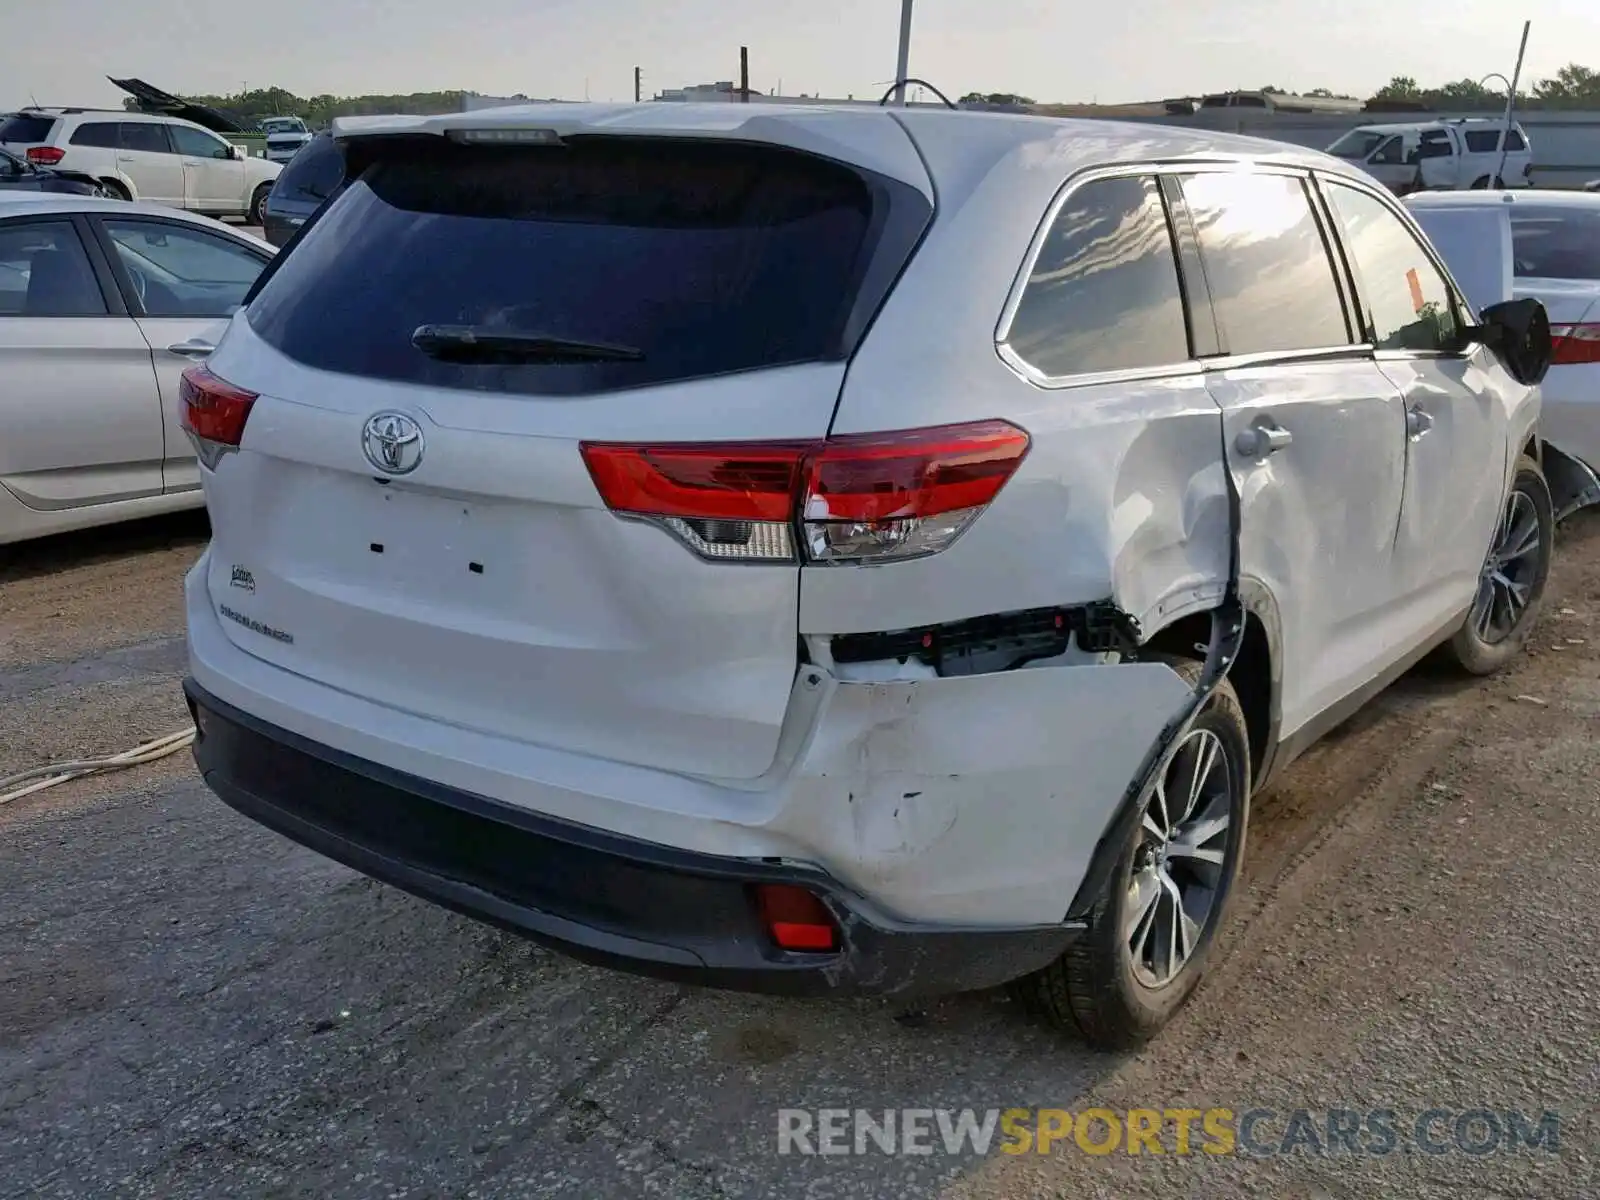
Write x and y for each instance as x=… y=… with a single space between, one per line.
x=1418 y=422
x=1263 y=439
x=125 y=158
x=193 y=348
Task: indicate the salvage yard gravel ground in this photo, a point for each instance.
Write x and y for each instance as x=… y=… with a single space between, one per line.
x=193 y=1007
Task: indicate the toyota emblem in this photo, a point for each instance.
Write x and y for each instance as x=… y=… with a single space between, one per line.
x=392 y=442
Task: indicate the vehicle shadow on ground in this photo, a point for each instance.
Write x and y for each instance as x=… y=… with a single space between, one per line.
x=105 y=544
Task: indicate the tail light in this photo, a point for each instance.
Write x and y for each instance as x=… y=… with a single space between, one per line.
x=851 y=499
x=796 y=919
x=45 y=156
x=213 y=412
x=1575 y=344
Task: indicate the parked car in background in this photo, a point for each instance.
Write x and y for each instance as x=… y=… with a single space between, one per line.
x=102 y=305
x=137 y=156
x=917 y=608
x=285 y=137
x=305 y=185
x=1459 y=153
x=1555 y=259
x=19 y=175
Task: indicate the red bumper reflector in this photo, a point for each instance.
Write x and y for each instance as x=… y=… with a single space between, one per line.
x=796 y=919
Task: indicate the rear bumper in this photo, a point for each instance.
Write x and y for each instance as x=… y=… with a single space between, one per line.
x=594 y=895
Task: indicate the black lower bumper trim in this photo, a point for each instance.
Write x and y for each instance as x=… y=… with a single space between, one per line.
x=597 y=896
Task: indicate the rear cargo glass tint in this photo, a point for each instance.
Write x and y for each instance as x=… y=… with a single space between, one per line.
x=1556 y=243
x=313 y=174
x=698 y=258
x=25 y=127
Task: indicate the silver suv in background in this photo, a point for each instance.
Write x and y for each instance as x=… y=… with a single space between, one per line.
x=841 y=551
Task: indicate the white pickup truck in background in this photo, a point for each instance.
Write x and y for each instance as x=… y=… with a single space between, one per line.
x=1449 y=155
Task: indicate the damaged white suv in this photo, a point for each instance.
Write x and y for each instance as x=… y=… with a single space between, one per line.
x=841 y=551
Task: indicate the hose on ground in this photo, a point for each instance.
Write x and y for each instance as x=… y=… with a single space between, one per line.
x=25 y=783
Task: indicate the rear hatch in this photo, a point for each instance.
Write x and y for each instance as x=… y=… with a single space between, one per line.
x=23 y=130
x=483 y=582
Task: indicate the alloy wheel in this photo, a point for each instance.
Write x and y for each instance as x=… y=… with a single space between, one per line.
x=1177 y=870
x=1509 y=573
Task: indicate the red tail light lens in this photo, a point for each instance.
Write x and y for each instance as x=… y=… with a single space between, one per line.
x=45 y=156
x=213 y=412
x=857 y=498
x=903 y=495
x=796 y=919
x=1575 y=344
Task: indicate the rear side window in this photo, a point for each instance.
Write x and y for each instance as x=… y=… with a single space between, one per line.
x=96 y=133
x=149 y=136
x=678 y=260
x=44 y=272
x=1556 y=243
x=1266 y=262
x=1408 y=302
x=312 y=175
x=1103 y=294
x=1481 y=141
x=26 y=127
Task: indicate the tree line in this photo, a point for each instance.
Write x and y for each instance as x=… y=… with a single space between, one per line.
x=1574 y=86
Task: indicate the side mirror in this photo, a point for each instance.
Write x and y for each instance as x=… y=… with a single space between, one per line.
x=1518 y=331
x=234 y=152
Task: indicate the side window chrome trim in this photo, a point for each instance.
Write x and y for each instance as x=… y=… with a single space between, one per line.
x=1270 y=358
x=1038 y=378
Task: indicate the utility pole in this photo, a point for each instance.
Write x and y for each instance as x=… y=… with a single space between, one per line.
x=1511 y=101
x=744 y=74
x=638 y=85
x=904 y=63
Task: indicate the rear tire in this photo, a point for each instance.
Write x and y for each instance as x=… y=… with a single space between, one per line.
x=1511 y=586
x=258 y=203
x=1113 y=986
x=114 y=190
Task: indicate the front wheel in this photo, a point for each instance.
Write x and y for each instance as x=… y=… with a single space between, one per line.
x=1151 y=930
x=258 y=204
x=1511 y=584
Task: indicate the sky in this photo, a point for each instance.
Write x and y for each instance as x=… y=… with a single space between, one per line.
x=1068 y=50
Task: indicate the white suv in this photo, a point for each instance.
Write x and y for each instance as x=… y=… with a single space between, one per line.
x=136 y=156
x=826 y=551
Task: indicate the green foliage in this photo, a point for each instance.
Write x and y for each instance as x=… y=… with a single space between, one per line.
x=318 y=111
x=1573 y=86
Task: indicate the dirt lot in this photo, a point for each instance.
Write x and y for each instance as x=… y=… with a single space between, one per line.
x=192 y=1007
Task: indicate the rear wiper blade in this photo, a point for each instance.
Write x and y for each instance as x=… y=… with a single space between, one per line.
x=485 y=344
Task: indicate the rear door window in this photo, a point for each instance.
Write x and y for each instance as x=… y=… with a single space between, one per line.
x=1409 y=304
x=149 y=136
x=1266 y=261
x=671 y=260
x=26 y=128
x=1556 y=243
x=1103 y=294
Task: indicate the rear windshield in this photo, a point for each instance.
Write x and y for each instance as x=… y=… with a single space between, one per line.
x=25 y=127
x=312 y=175
x=696 y=258
x=1556 y=243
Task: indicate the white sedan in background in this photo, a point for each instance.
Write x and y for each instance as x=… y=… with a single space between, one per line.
x=102 y=305
x=1554 y=257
